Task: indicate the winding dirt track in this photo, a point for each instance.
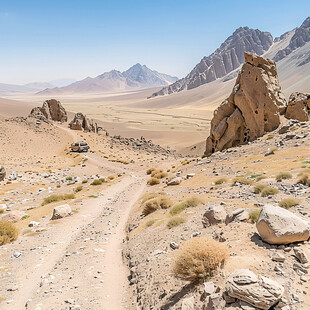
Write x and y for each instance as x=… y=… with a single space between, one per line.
x=78 y=261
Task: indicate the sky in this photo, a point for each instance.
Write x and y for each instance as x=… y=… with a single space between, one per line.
x=43 y=40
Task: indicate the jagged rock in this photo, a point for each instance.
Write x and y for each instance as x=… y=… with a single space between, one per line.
x=51 y=110
x=214 y=302
x=2 y=173
x=214 y=215
x=301 y=255
x=258 y=291
x=252 y=109
x=298 y=107
x=61 y=212
x=276 y=225
x=13 y=216
x=224 y=60
x=278 y=257
x=81 y=122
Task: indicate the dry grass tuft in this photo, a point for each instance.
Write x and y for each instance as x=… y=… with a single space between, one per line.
x=242 y=180
x=150 y=222
x=254 y=215
x=259 y=187
x=198 y=258
x=96 y=182
x=304 y=179
x=148 y=196
x=160 y=175
x=154 y=204
x=150 y=170
x=288 y=203
x=220 y=181
x=193 y=201
x=8 y=232
x=283 y=176
x=78 y=188
x=153 y=181
x=269 y=191
x=55 y=198
x=175 y=221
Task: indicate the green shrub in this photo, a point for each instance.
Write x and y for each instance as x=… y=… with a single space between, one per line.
x=288 y=203
x=69 y=178
x=8 y=232
x=254 y=215
x=269 y=191
x=175 y=221
x=153 y=181
x=283 y=176
x=1 y=211
x=58 y=186
x=111 y=177
x=198 y=258
x=84 y=181
x=25 y=217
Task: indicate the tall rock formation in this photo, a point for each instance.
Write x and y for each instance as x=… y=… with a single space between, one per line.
x=228 y=57
x=81 y=122
x=252 y=109
x=51 y=110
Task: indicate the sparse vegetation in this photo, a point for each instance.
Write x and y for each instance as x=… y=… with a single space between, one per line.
x=190 y=202
x=78 y=189
x=153 y=181
x=93 y=196
x=96 y=182
x=242 y=180
x=25 y=217
x=269 y=191
x=8 y=232
x=161 y=202
x=175 y=221
x=198 y=258
x=149 y=196
x=288 y=203
x=220 y=181
x=55 y=198
x=1 y=211
x=160 y=175
x=304 y=179
x=154 y=172
x=259 y=187
x=84 y=181
x=150 y=170
x=261 y=177
x=69 y=178
x=150 y=222
x=254 y=215
x=58 y=186
x=111 y=177
x=283 y=176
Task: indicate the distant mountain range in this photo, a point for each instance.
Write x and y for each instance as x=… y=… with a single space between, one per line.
x=136 y=77
x=292 y=49
x=34 y=87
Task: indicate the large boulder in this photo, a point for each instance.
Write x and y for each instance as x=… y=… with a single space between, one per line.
x=2 y=173
x=258 y=291
x=51 y=110
x=252 y=109
x=81 y=122
x=298 y=107
x=276 y=225
x=214 y=214
x=61 y=212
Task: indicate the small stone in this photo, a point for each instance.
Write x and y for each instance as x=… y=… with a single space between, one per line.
x=277 y=257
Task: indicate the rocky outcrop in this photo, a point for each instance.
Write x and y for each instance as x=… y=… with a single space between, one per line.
x=252 y=109
x=298 y=107
x=51 y=110
x=61 y=212
x=81 y=122
x=214 y=215
x=276 y=225
x=258 y=291
x=228 y=57
x=299 y=39
x=13 y=216
x=2 y=173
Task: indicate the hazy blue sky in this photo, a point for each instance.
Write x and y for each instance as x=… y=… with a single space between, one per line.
x=43 y=40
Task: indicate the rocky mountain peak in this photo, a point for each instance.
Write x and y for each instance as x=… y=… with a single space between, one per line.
x=228 y=57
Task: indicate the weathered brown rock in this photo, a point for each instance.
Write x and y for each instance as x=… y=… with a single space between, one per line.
x=51 y=110
x=276 y=225
x=61 y=212
x=258 y=291
x=81 y=122
x=252 y=109
x=2 y=173
x=298 y=107
x=214 y=215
